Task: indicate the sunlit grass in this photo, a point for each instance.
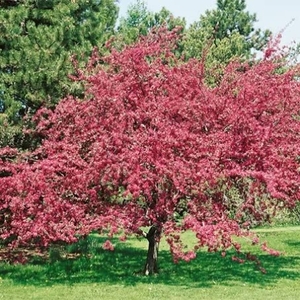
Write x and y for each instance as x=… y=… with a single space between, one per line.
x=98 y=274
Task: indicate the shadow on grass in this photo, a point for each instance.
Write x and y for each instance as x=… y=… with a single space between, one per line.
x=293 y=243
x=123 y=266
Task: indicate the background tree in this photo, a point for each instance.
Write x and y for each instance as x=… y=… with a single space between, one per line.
x=152 y=145
x=229 y=30
x=139 y=21
x=37 y=40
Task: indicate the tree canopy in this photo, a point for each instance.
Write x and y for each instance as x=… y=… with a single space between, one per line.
x=139 y=21
x=152 y=144
x=37 y=40
x=230 y=29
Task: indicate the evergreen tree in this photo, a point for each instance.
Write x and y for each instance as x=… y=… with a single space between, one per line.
x=229 y=32
x=37 y=39
x=139 y=21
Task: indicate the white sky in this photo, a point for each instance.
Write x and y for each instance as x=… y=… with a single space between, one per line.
x=271 y=14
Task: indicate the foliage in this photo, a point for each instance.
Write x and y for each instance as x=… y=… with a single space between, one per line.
x=294 y=53
x=292 y=216
x=229 y=29
x=152 y=144
x=140 y=21
x=36 y=42
x=8 y=133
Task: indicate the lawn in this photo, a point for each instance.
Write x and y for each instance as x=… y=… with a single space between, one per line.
x=115 y=275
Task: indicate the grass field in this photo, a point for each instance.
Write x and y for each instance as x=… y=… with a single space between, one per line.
x=115 y=275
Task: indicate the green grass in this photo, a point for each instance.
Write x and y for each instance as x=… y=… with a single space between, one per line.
x=116 y=275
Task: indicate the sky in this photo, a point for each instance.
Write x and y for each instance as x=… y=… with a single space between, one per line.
x=274 y=15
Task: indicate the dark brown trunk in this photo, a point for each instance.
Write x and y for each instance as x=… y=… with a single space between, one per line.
x=153 y=236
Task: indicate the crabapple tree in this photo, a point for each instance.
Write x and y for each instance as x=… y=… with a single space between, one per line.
x=153 y=145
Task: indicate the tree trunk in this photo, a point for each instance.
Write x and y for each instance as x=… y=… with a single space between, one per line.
x=153 y=236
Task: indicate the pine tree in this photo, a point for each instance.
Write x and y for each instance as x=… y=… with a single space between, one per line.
x=228 y=29
x=140 y=21
x=37 y=39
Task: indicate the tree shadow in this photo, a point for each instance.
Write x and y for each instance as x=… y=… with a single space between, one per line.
x=293 y=243
x=124 y=265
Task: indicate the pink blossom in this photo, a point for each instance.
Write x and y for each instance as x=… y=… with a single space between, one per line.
x=108 y=246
